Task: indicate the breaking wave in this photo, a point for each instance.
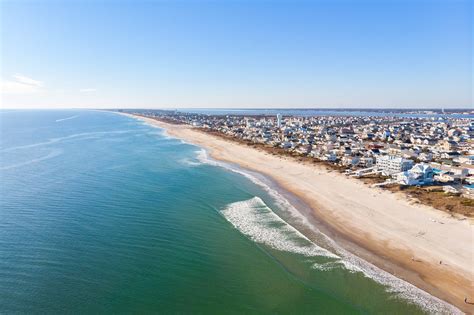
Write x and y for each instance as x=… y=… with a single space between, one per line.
x=200 y=158
x=190 y=162
x=257 y=221
x=161 y=131
x=203 y=157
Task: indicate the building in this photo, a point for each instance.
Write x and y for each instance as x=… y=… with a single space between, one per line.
x=366 y=162
x=468 y=159
x=420 y=174
x=389 y=142
x=278 y=120
x=468 y=190
x=350 y=160
x=449 y=145
x=451 y=190
x=390 y=164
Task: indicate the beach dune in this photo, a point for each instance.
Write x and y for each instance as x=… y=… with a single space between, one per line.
x=424 y=246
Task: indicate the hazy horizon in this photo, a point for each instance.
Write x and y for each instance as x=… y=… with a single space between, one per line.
x=242 y=108
x=200 y=54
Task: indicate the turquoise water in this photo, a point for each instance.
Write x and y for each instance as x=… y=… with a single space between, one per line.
x=102 y=213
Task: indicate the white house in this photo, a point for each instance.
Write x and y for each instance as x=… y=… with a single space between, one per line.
x=366 y=161
x=450 y=189
x=331 y=157
x=348 y=160
x=420 y=174
x=467 y=159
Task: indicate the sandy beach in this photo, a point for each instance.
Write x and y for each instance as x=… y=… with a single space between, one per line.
x=419 y=244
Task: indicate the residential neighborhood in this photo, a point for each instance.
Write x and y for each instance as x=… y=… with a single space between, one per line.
x=404 y=150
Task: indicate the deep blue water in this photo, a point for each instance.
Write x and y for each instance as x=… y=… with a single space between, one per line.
x=102 y=213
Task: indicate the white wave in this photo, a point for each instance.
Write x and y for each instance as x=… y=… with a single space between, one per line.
x=326 y=266
x=203 y=157
x=67 y=118
x=162 y=131
x=190 y=162
x=52 y=154
x=200 y=159
x=65 y=138
x=257 y=221
x=183 y=142
x=393 y=284
x=163 y=135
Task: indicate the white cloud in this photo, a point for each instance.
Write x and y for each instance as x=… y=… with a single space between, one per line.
x=20 y=84
x=87 y=90
x=28 y=81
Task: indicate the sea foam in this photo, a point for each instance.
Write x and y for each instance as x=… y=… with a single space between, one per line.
x=256 y=220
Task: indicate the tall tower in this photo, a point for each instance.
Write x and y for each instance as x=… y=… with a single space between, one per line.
x=278 y=120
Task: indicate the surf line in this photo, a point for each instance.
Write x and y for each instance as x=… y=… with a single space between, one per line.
x=67 y=118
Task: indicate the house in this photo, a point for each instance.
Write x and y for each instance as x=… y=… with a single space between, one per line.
x=349 y=160
x=366 y=161
x=449 y=145
x=330 y=157
x=425 y=157
x=450 y=189
x=467 y=159
x=446 y=177
x=420 y=174
x=469 y=189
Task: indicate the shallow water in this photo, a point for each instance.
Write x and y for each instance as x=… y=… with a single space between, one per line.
x=102 y=213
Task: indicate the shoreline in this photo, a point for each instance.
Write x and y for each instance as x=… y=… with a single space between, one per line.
x=408 y=241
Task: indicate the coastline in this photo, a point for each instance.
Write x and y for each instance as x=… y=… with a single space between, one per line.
x=407 y=240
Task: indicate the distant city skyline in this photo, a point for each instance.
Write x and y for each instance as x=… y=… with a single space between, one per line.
x=236 y=54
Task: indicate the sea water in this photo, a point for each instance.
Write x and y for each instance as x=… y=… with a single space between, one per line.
x=102 y=213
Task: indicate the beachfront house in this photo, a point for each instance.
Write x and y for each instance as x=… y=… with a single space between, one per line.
x=468 y=190
x=467 y=160
x=350 y=160
x=420 y=174
x=451 y=190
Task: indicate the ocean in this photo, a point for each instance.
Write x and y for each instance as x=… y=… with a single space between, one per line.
x=101 y=213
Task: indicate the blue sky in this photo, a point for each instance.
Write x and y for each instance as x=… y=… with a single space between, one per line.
x=236 y=54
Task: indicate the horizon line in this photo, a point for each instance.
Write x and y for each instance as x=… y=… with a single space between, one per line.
x=242 y=108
